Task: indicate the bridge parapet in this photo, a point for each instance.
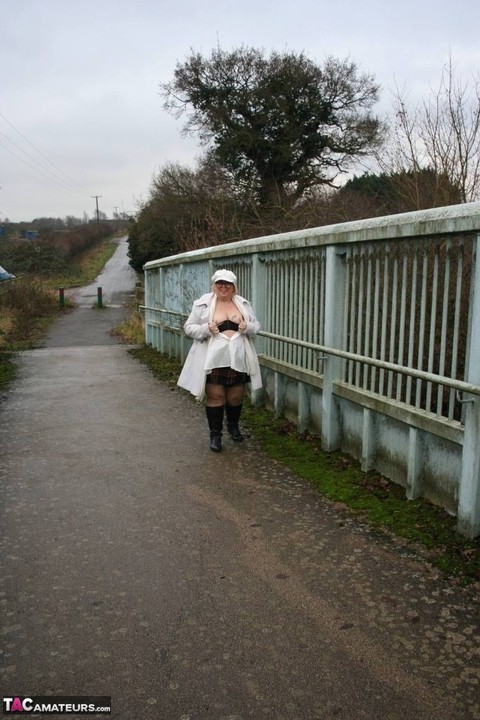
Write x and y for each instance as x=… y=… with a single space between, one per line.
x=370 y=338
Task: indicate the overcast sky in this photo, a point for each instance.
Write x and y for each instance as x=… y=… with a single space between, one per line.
x=80 y=109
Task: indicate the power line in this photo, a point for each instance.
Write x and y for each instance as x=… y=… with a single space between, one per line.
x=60 y=184
x=56 y=177
x=70 y=180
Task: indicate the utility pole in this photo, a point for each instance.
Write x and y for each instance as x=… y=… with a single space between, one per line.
x=96 y=198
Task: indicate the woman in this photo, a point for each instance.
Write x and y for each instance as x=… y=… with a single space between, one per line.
x=221 y=360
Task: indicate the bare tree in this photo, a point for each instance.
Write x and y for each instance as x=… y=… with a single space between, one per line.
x=441 y=135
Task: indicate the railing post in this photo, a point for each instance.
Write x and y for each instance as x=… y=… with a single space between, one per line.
x=414 y=469
x=335 y=284
x=160 y=302
x=147 y=301
x=368 y=444
x=303 y=407
x=258 y=300
x=184 y=307
x=468 y=516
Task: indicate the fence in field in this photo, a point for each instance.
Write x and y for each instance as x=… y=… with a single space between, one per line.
x=370 y=338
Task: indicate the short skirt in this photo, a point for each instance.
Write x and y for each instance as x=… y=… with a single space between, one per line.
x=227 y=376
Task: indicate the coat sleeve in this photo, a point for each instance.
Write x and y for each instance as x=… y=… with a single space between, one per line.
x=253 y=325
x=195 y=326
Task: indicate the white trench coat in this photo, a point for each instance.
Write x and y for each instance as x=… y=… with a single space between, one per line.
x=242 y=353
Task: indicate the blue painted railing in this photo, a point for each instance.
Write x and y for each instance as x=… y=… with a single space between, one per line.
x=370 y=338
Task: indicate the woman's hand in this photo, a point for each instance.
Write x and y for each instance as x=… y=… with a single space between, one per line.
x=242 y=326
x=212 y=326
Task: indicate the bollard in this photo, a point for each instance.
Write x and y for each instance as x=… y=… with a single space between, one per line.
x=61 y=297
x=99 y=297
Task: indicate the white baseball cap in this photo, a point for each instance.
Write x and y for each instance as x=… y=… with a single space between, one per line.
x=226 y=275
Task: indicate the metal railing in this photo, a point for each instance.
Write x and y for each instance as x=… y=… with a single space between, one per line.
x=386 y=308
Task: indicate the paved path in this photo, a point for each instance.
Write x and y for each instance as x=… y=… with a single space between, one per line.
x=189 y=585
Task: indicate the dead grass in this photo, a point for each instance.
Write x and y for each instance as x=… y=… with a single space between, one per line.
x=131 y=330
x=25 y=306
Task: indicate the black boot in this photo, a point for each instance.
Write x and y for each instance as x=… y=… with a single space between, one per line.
x=215 y=423
x=233 y=416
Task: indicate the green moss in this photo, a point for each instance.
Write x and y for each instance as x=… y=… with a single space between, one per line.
x=163 y=367
x=369 y=496
x=382 y=504
x=7 y=369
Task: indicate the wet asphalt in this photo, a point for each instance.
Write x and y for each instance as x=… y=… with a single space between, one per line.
x=190 y=585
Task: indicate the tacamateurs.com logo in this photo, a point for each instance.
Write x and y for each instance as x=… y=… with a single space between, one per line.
x=58 y=705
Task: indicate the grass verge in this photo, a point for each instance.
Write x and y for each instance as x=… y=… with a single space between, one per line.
x=419 y=526
x=85 y=266
x=131 y=330
x=30 y=304
x=7 y=369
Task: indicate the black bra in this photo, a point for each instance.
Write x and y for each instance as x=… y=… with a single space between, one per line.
x=227 y=325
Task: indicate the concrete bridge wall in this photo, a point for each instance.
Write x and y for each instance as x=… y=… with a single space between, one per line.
x=370 y=338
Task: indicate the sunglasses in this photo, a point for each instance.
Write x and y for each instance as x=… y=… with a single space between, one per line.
x=223 y=283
